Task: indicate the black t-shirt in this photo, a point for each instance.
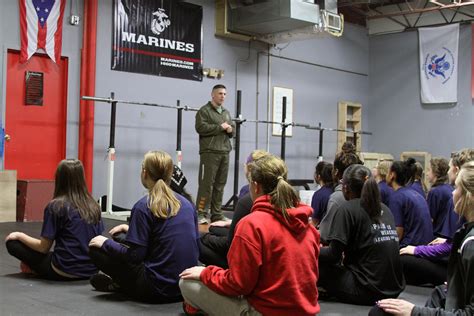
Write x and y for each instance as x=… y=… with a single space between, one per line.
x=371 y=249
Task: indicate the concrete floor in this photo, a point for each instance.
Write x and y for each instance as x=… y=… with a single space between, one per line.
x=23 y=295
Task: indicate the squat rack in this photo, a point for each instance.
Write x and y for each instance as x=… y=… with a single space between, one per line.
x=239 y=120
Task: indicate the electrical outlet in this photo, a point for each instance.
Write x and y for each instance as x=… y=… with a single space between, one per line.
x=74 y=20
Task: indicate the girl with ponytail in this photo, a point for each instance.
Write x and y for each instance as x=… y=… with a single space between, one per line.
x=161 y=240
x=364 y=231
x=440 y=197
x=457 y=296
x=346 y=157
x=273 y=258
x=409 y=208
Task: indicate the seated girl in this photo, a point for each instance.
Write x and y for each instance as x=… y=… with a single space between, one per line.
x=361 y=264
x=343 y=160
x=214 y=245
x=427 y=264
x=440 y=197
x=319 y=202
x=70 y=220
x=457 y=298
x=380 y=175
x=415 y=181
x=409 y=208
x=273 y=258
x=161 y=240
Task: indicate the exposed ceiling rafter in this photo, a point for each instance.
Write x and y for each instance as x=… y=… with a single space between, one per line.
x=420 y=10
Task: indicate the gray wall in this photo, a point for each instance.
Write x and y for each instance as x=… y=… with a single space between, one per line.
x=398 y=119
x=72 y=43
x=316 y=93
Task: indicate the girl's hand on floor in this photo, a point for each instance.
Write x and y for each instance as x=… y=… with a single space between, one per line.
x=396 y=306
x=193 y=273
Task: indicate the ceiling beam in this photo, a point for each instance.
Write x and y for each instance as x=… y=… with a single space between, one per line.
x=414 y=11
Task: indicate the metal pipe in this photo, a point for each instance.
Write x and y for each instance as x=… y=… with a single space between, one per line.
x=268 y=98
x=257 y=94
x=283 y=129
x=321 y=131
x=237 y=148
x=111 y=155
x=178 y=134
x=319 y=65
x=113 y=114
x=109 y=100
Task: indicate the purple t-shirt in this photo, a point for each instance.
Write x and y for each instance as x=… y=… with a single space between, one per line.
x=319 y=202
x=411 y=212
x=171 y=243
x=244 y=190
x=440 y=202
x=417 y=187
x=451 y=223
x=71 y=234
x=385 y=192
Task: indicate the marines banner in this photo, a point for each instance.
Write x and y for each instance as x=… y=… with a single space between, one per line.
x=439 y=63
x=161 y=38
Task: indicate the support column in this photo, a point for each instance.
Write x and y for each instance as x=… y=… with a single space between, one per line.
x=87 y=87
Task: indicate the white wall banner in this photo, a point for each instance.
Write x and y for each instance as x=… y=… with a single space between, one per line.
x=439 y=63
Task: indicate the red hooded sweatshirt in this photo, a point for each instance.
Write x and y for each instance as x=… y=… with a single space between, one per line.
x=273 y=262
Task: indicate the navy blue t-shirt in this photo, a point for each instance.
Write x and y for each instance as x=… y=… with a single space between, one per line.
x=411 y=212
x=385 y=192
x=171 y=243
x=440 y=203
x=417 y=187
x=452 y=222
x=319 y=202
x=71 y=235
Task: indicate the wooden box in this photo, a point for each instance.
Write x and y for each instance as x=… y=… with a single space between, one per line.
x=7 y=195
x=33 y=196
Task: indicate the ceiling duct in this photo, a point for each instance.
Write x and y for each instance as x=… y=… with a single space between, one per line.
x=261 y=17
x=277 y=21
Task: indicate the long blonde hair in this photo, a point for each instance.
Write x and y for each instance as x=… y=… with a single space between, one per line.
x=271 y=173
x=162 y=202
x=465 y=181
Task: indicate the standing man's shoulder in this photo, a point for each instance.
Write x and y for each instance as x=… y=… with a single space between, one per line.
x=204 y=107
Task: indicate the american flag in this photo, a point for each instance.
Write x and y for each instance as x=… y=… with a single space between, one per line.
x=41 y=24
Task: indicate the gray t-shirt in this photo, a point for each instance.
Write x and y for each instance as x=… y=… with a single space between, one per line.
x=335 y=201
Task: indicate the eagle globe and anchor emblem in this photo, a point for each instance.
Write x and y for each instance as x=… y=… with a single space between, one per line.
x=439 y=66
x=160 y=21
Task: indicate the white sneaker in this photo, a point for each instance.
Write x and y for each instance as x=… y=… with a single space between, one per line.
x=202 y=220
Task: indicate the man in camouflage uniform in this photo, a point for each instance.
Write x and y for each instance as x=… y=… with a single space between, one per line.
x=215 y=128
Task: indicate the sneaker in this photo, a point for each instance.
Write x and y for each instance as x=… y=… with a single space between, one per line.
x=191 y=310
x=220 y=218
x=103 y=283
x=25 y=268
x=202 y=220
x=324 y=295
